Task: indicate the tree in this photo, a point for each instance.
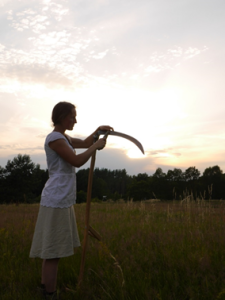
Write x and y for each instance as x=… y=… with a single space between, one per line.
x=81 y=197
x=213 y=172
x=99 y=188
x=105 y=183
x=159 y=184
x=175 y=175
x=2 y=173
x=159 y=174
x=213 y=182
x=191 y=174
x=82 y=179
x=140 y=190
x=142 y=177
x=2 y=183
x=120 y=183
x=21 y=177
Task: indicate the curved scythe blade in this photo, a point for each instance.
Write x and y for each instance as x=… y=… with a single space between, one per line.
x=125 y=136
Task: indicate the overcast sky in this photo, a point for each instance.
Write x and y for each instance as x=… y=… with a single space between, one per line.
x=151 y=69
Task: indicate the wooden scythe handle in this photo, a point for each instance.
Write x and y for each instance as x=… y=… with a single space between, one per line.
x=88 y=228
x=87 y=218
x=94 y=233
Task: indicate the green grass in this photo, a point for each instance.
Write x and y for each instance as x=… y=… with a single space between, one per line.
x=164 y=250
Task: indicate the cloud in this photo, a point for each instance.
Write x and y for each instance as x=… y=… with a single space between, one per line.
x=28 y=20
x=16 y=148
x=30 y=149
x=100 y=55
x=77 y=55
x=36 y=158
x=164 y=153
x=111 y=159
x=57 y=10
x=39 y=19
x=171 y=58
x=41 y=136
x=50 y=57
x=117 y=159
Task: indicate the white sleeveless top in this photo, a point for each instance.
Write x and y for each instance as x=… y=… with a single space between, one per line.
x=60 y=189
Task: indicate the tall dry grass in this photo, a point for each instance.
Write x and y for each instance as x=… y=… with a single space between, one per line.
x=163 y=250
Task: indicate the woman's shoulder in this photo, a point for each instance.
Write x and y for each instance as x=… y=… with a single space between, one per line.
x=54 y=135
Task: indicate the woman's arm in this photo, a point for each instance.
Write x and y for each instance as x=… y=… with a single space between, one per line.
x=86 y=143
x=62 y=148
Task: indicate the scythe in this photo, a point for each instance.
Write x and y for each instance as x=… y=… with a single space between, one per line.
x=88 y=229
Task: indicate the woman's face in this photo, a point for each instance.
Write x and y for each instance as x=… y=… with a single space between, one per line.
x=70 y=120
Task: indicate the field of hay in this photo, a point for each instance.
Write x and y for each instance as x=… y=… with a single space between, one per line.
x=162 y=250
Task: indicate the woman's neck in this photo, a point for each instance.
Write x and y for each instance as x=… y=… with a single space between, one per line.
x=60 y=129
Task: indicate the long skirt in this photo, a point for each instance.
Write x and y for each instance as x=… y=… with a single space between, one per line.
x=55 y=233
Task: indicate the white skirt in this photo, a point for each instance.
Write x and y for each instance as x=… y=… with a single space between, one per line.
x=55 y=233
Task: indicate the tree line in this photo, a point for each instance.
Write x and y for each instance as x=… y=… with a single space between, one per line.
x=22 y=181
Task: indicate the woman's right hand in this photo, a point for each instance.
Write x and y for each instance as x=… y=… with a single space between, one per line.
x=100 y=144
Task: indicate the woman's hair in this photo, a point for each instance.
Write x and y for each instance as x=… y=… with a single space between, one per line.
x=60 y=111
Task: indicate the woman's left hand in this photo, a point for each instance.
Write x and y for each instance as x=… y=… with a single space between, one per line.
x=105 y=127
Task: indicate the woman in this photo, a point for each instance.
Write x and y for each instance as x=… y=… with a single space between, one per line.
x=56 y=233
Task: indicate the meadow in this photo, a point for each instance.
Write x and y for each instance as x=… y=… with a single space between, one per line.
x=162 y=250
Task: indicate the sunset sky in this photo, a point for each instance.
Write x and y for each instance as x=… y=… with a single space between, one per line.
x=151 y=69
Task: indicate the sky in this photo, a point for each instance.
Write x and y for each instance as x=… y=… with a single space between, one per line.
x=151 y=69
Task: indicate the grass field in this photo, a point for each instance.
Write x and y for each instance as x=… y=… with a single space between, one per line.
x=164 y=250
